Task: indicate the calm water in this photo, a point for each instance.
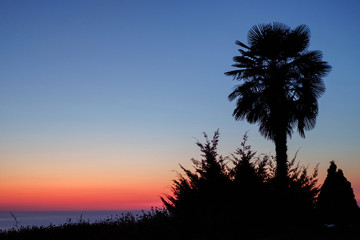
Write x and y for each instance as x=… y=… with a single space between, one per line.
x=45 y=218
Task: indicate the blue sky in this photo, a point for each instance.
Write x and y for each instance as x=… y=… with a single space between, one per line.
x=137 y=81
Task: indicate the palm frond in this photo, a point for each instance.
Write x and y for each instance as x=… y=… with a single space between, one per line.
x=237 y=42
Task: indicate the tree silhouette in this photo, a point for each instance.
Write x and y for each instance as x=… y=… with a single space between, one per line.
x=198 y=197
x=280 y=84
x=249 y=177
x=336 y=201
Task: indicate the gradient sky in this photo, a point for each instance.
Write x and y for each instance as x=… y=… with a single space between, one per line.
x=100 y=100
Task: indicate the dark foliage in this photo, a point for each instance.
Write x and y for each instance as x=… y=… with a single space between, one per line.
x=199 y=199
x=336 y=202
x=239 y=197
x=303 y=190
x=249 y=177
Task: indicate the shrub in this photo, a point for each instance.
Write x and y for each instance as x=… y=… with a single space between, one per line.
x=199 y=198
x=238 y=194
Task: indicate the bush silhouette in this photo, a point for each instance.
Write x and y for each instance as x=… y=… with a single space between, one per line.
x=199 y=197
x=249 y=177
x=336 y=202
x=238 y=194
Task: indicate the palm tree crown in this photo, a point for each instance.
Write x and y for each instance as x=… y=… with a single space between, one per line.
x=280 y=82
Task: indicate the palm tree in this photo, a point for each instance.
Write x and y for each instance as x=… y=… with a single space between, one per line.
x=280 y=82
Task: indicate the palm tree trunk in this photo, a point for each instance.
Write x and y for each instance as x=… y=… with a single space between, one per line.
x=281 y=178
x=281 y=157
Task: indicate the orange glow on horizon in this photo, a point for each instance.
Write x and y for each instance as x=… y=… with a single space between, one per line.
x=97 y=187
x=84 y=198
x=81 y=196
x=78 y=185
x=79 y=199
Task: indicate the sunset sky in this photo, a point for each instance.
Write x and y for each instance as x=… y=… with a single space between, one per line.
x=101 y=100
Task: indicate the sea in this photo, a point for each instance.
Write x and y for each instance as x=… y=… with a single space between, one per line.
x=19 y=219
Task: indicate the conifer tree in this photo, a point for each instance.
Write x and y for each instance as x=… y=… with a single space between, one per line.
x=336 y=201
